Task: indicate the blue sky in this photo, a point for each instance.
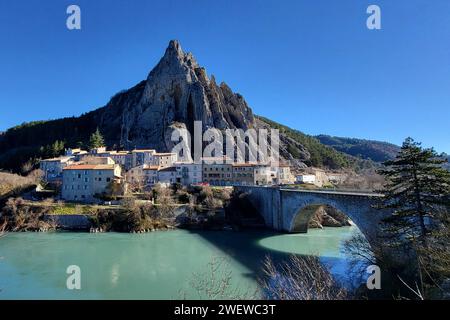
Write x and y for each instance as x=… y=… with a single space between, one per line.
x=312 y=64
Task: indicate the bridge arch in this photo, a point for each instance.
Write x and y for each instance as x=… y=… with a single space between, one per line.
x=299 y=207
x=300 y=222
x=290 y=210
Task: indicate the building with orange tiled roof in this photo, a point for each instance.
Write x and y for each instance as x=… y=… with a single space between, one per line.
x=243 y=174
x=217 y=173
x=83 y=182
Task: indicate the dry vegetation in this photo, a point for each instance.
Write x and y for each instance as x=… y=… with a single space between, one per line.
x=300 y=278
x=143 y=215
x=2 y=230
x=17 y=215
x=415 y=270
x=132 y=217
x=365 y=180
x=10 y=182
x=216 y=283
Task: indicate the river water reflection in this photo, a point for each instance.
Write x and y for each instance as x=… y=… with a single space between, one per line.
x=157 y=265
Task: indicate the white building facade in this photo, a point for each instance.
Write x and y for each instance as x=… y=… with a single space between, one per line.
x=83 y=182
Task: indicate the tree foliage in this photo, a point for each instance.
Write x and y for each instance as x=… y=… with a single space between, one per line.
x=377 y=151
x=417 y=185
x=96 y=140
x=321 y=155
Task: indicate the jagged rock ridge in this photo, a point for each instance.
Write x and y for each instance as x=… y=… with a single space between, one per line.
x=177 y=92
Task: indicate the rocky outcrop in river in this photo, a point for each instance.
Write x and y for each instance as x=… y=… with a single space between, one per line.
x=327 y=216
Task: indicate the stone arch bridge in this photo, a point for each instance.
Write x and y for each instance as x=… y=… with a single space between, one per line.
x=290 y=210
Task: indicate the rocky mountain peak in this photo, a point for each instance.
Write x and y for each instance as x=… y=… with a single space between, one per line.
x=174 y=47
x=177 y=91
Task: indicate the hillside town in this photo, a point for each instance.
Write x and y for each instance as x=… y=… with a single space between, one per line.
x=83 y=175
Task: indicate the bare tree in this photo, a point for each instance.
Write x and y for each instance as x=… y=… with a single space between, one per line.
x=2 y=229
x=137 y=185
x=164 y=201
x=367 y=179
x=300 y=278
x=216 y=283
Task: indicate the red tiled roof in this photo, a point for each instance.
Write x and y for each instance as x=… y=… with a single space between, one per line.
x=244 y=164
x=90 y=167
x=151 y=168
x=165 y=154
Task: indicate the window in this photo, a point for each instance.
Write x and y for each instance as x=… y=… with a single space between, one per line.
x=108 y=179
x=86 y=179
x=79 y=176
x=99 y=179
x=85 y=187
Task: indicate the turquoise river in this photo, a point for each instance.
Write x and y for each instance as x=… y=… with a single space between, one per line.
x=157 y=265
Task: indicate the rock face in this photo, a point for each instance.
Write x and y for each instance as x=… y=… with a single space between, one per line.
x=176 y=93
x=327 y=216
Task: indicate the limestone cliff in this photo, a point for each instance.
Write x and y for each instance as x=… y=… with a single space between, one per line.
x=176 y=92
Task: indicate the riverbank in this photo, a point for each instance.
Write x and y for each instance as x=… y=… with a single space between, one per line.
x=194 y=208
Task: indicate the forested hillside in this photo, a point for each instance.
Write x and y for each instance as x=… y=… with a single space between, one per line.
x=366 y=149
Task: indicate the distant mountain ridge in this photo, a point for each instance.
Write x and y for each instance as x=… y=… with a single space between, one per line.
x=376 y=151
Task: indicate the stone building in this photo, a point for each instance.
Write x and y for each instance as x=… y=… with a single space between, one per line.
x=164 y=159
x=188 y=173
x=284 y=175
x=82 y=182
x=53 y=168
x=243 y=174
x=265 y=175
x=167 y=175
x=217 y=172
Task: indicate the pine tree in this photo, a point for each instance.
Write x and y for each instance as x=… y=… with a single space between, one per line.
x=417 y=185
x=53 y=150
x=96 y=140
